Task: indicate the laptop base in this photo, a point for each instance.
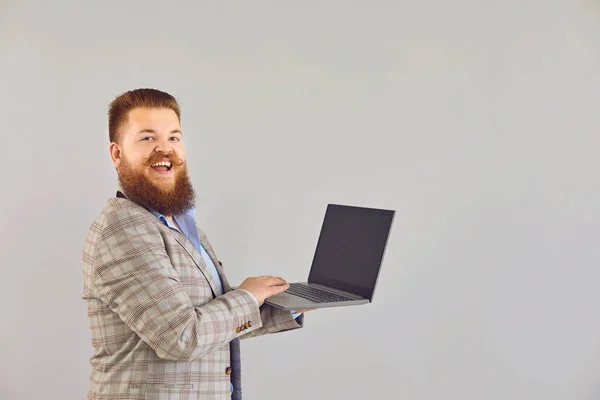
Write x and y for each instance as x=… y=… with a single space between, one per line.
x=287 y=301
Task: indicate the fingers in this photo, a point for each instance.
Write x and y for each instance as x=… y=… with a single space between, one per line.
x=263 y=287
x=274 y=280
x=273 y=290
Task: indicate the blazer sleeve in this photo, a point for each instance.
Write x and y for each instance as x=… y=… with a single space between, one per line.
x=275 y=320
x=132 y=273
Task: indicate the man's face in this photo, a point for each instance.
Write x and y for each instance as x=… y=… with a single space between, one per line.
x=150 y=161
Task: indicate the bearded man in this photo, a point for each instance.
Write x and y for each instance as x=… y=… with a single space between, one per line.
x=165 y=322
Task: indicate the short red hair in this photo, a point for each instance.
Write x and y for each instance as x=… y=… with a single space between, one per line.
x=119 y=108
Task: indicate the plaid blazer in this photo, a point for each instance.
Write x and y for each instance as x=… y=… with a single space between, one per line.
x=157 y=328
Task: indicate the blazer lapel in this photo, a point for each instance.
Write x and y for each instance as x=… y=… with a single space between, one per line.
x=198 y=260
x=226 y=286
x=217 y=263
x=188 y=247
x=209 y=250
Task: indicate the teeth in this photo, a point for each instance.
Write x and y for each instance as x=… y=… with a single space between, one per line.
x=162 y=164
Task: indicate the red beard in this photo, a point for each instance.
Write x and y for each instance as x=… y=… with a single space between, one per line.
x=141 y=190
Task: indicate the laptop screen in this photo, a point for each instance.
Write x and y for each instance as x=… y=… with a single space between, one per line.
x=350 y=248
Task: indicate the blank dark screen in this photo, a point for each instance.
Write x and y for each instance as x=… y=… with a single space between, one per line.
x=350 y=248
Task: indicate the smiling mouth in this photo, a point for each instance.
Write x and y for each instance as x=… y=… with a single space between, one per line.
x=163 y=166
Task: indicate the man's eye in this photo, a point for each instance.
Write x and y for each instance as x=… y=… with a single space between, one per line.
x=175 y=138
x=147 y=138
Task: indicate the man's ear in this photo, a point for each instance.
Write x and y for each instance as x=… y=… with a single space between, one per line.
x=115 y=153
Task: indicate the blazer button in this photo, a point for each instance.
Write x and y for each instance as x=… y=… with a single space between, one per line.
x=250 y=324
x=228 y=371
x=245 y=326
x=238 y=330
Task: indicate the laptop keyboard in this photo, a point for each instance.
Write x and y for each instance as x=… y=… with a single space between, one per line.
x=313 y=294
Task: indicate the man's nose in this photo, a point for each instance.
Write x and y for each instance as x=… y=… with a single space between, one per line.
x=163 y=146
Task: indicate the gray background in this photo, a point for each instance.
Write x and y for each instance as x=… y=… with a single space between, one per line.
x=476 y=120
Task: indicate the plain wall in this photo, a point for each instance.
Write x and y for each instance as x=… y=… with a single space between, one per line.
x=477 y=121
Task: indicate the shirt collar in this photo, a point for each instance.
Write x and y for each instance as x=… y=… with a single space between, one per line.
x=190 y=213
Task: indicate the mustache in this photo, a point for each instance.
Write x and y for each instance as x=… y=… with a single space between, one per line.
x=160 y=156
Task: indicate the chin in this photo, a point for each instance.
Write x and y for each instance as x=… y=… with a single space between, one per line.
x=165 y=187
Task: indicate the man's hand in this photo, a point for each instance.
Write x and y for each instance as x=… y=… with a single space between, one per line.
x=264 y=286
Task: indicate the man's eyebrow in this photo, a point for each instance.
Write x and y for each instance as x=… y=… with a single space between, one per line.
x=153 y=131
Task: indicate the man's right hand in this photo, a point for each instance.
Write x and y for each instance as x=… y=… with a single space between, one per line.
x=264 y=286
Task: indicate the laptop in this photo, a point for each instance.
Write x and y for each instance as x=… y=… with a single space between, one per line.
x=346 y=262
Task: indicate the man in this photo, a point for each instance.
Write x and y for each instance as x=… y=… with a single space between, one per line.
x=165 y=323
